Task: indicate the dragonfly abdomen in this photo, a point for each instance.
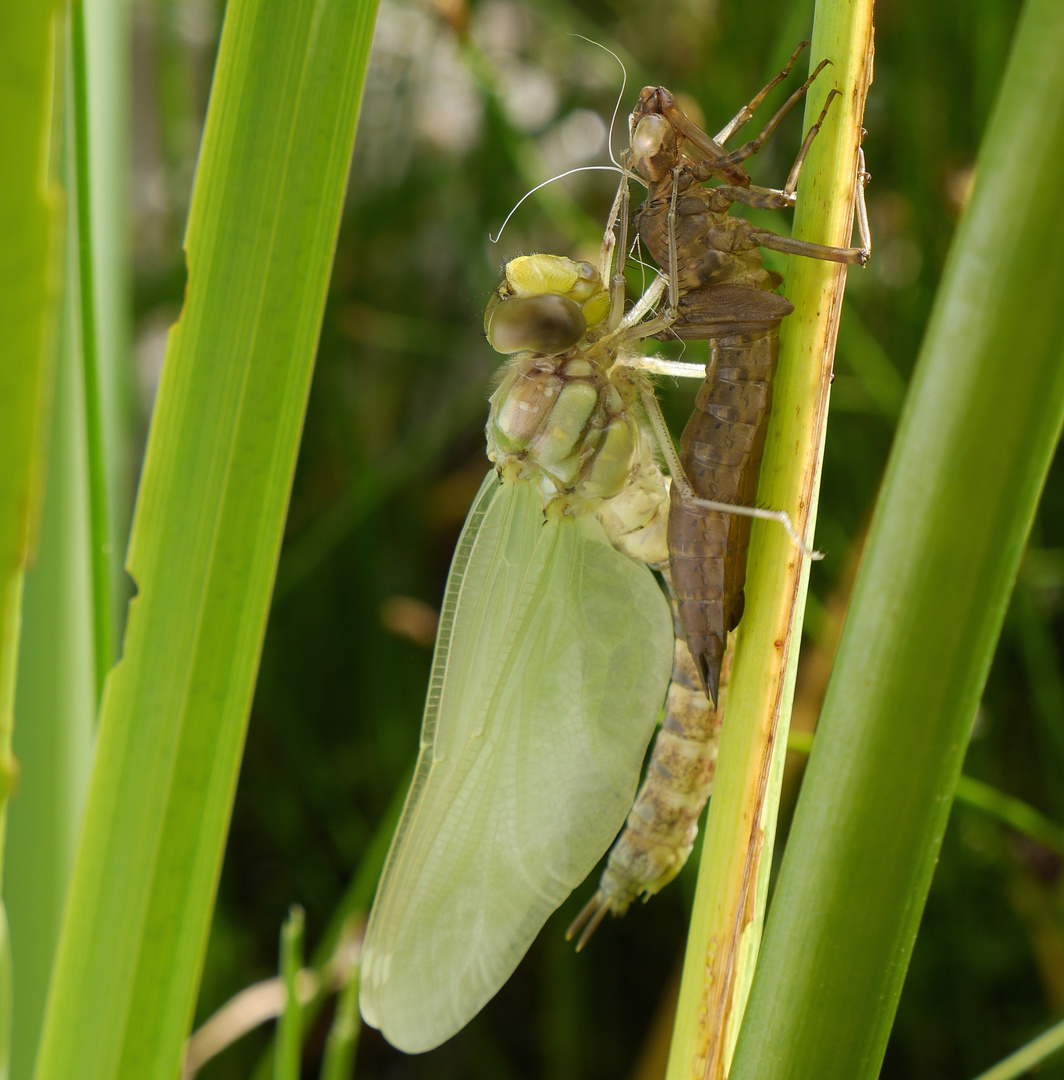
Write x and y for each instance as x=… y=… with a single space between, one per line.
x=721 y=450
x=663 y=822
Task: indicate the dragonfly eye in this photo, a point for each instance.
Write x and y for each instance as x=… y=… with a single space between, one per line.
x=548 y=324
x=654 y=148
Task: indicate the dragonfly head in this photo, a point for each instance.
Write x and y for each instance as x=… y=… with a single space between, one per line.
x=545 y=305
x=655 y=151
x=663 y=137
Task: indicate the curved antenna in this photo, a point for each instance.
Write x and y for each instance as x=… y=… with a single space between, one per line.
x=568 y=172
x=615 y=167
x=620 y=95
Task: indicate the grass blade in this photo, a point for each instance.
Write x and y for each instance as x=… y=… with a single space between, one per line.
x=60 y=671
x=962 y=485
x=107 y=48
x=290 y=1022
x=5 y=995
x=343 y=933
x=56 y=696
x=1012 y=812
x=79 y=191
x=1028 y=1057
x=29 y=223
x=207 y=530
x=338 y=1062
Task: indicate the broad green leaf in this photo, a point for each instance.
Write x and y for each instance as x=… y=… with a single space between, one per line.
x=207 y=529
x=972 y=450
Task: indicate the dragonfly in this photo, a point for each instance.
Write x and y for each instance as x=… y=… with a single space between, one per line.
x=551 y=662
x=720 y=290
x=555 y=649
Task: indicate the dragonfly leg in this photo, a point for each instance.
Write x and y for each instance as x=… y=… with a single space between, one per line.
x=857 y=256
x=781 y=517
x=674 y=265
x=666 y=318
x=681 y=482
x=750 y=148
x=761 y=197
x=778 y=198
x=615 y=245
x=659 y=365
x=862 y=181
x=633 y=328
x=854 y=256
x=746 y=113
x=618 y=243
x=810 y=135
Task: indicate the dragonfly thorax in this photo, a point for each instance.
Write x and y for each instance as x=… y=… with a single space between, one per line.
x=562 y=419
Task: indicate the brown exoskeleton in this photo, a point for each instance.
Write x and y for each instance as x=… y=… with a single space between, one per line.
x=720 y=291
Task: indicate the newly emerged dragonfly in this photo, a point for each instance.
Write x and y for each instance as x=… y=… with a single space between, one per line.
x=720 y=291
x=551 y=664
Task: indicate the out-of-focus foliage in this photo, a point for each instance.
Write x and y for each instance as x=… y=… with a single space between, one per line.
x=467 y=107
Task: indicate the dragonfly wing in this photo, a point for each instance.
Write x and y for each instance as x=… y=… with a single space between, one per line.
x=551 y=663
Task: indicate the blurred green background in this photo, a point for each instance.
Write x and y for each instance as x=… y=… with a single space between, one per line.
x=467 y=107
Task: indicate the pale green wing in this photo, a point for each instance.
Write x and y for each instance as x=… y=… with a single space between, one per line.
x=551 y=664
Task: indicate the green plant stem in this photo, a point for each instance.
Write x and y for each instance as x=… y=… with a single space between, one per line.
x=99 y=502
x=6 y=996
x=342 y=1042
x=290 y=1023
x=1029 y=1056
x=973 y=448
x=740 y=827
x=10 y=624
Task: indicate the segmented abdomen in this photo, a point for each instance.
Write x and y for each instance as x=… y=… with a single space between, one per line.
x=721 y=451
x=663 y=822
